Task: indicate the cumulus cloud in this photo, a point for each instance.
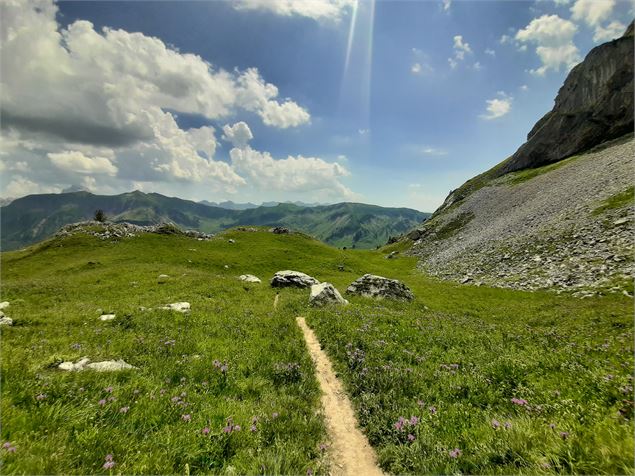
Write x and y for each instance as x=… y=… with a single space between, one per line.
x=554 y=39
x=446 y=5
x=592 y=12
x=293 y=174
x=490 y=52
x=425 y=150
x=77 y=101
x=613 y=30
x=330 y=10
x=497 y=107
x=461 y=48
x=75 y=161
x=20 y=186
x=239 y=134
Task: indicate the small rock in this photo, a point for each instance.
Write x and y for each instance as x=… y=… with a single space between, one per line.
x=107 y=317
x=177 y=306
x=621 y=221
x=370 y=285
x=226 y=266
x=292 y=278
x=70 y=366
x=279 y=230
x=231 y=241
x=163 y=278
x=325 y=293
x=4 y=305
x=392 y=254
x=249 y=278
x=466 y=279
x=6 y=321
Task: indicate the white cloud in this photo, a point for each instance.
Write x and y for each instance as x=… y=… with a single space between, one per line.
x=490 y=52
x=524 y=88
x=318 y=10
x=613 y=30
x=461 y=48
x=75 y=161
x=592 y=12
x=239 y=134
x=415 y=68
x=425 y=150
x=79 y=101
x=554 y=39
x=20 y=186
x=446 y=5
x=505 y=40
x=293 y=174
x=477 y=66
x=498 y=107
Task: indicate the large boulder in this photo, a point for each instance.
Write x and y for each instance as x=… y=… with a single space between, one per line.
x=289 y=278
x=325 y=293
x=594 y=105
x=374 y=286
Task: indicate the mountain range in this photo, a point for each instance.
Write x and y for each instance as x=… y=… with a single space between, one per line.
x=35 y=217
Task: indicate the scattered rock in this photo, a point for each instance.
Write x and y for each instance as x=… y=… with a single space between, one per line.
x=292 y=278
x=177 y=306
x=226 y=266
x=249 y=278
x=163 y=278
x=466 y=280
x=107 y=317
x=374 y=286
x=114 y=231
x=621 y=221
x=392 y=254
x=4 y=305
x=231 y=241
x=279 y=230
x=325 y=293
x=105 y=366
x=5 y=321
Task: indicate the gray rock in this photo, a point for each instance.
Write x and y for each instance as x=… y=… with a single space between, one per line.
x=325 y=293
x=289 y=278
x=177 y=306
x=107 y=317
x=231 y=241
x=6 y=321
x=374 y=286
x=249 y=278
x=594 y=105
x=104 y=366
x=392 y=254
x=4 y=305
x=279 y=230
x=163 y=278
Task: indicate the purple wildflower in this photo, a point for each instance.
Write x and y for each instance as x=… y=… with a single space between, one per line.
x=414 y=420
x=124 y=409
x=552 y=426
x=41 y=396
x=508 y=425
x=275 y=415
x=564 y=435
x=112 y=399
x=421 y=403
x=433 y=410
x=309 y=472
x=11 y=449
x=162 y=391
x=253 y=428
x=175 y=399
x=411 y=437
x=108 y=389
x=102 y=402
x=237 y=428
x=323 y=447
x=495 y=423
x=6 y=445
x=519 y=401
x=186 y=417
x=110 y=462
x=205 y=431
x=455 y=453
x=76 y=346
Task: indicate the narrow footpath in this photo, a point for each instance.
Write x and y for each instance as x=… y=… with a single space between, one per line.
x=350 y=452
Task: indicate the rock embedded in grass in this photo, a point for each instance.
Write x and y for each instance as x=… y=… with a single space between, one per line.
x=374 y=286
x=107 y=317
x=4 y=305
x=177 y=306
x=290 y=278
x=325 y=293
x=249 y=278
x=104 y=366
x=163 y=278
x=4 y=320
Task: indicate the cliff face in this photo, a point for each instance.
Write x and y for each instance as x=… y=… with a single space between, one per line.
x=594 y=105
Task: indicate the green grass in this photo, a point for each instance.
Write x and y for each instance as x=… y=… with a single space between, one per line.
x=570 y=359
x=527 y=174
x=619 y=200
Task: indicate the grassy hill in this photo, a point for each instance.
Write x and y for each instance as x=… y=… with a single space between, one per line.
x=35 y=217
x=457 y=359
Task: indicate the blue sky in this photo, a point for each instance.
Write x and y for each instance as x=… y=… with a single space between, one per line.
x=387 y=102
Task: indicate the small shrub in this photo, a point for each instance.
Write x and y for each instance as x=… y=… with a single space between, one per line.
x=100 y=216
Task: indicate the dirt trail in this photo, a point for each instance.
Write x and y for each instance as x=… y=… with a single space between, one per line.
x=350 y=452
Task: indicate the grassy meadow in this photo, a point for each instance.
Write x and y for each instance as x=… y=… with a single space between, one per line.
x=464 y=379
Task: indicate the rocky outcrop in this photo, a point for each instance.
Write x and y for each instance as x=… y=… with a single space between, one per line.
x=105 y=366
x=324 y=294
x=374 y=286
x=279 y=230
x=594 y=105
x=287 y=278
x=113 y=231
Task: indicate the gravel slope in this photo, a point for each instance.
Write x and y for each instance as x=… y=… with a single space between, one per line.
x=541 y=233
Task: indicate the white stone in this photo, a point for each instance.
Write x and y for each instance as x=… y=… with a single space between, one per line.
x=107 y=317
x=325 y=293
x=4 y=304
x=110 y=366
x=249 y=278
x=70 y=366
x=6 y=321
x=177 y=306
